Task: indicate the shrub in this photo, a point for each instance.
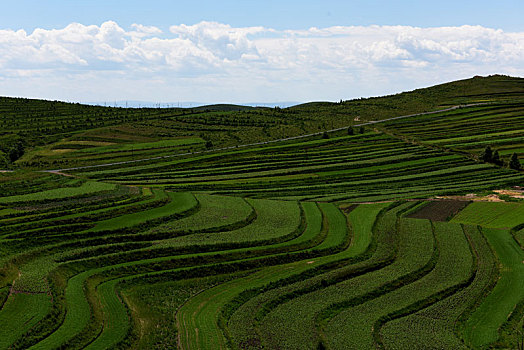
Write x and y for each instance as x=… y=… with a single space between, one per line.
x=487 y=155
x=514 y=162
x=496 y=158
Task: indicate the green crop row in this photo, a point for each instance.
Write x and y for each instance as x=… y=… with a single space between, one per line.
x=19 y=314
x=84 y=189
x=483 y=325
x=493 y=215
x=89 y=216
x=413 y=289
x=312 y=274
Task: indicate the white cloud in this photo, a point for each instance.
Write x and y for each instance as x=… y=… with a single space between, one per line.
x=213 y=61
x=143 y=31
x=221 y=41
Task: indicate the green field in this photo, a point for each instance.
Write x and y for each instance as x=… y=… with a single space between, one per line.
x=221 y=227
x=492 y=215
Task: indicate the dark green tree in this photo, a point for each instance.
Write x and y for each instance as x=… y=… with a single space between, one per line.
x=495 y=159
x=514 y=162
x=13 y=155
x=16 y=151
x=362 y=130
x=3 y=160
x=325 y=135
x=487 y=155
x=209 y=144
x=351 y=131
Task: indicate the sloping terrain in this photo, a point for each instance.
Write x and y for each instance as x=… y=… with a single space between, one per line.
x=167 y=228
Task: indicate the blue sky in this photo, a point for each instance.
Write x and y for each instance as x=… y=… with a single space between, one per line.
x=251 y=51
x=278 y=14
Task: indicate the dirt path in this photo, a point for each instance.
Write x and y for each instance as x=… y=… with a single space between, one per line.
x=57 y=172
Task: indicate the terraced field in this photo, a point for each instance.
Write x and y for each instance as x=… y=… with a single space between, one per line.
x=469 y=129
x=328 y=241
x=270 y=273
x=367 y=167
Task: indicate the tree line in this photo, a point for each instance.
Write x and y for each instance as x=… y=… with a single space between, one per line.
x=490 y=156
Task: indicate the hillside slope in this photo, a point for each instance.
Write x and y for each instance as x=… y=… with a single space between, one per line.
x=166 y=228
x=26 y=124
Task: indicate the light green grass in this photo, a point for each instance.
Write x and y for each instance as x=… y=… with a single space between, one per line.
x=116 y=322
x=492 y=215
x=179 y=202
x=201 y=312
x=77 y=316
x=296 y=329
x=275 y=219
x=19 y=314
x=88 y=187
x=142 y=146
x=475 y=137
x=353 y=328
x=482 y=327
x=215 y=211
x=205 y=157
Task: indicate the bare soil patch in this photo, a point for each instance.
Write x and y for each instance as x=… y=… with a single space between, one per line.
x=519 y=194
x=348 y=208
x=473 y=197
x=439 y=210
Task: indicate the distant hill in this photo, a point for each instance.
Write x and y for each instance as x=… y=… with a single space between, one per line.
x=29 y=123
x=150 y=104
x=473 y=90
x=223 y=108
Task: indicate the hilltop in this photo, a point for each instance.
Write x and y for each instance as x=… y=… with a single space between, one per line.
x=29 y=123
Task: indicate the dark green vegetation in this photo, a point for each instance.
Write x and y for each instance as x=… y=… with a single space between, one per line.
x=172 y=228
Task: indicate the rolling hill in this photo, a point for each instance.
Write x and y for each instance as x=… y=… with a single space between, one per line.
x=359 y=224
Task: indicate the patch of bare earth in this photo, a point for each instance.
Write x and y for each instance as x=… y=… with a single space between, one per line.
x=473 y=197
x=60 y=173
x=439 y=210
x=519 y=194
x=348 y=208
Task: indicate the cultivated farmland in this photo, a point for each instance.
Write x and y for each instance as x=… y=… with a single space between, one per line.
x=222 y=228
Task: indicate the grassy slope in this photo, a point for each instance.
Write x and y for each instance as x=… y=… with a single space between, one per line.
x=133 y=243
x=482 y=327
x=492 y=215
x=40 y=123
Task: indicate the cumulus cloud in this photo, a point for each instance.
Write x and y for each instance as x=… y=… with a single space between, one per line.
x=143 y=31
x=220 y=40
x=257 y=58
